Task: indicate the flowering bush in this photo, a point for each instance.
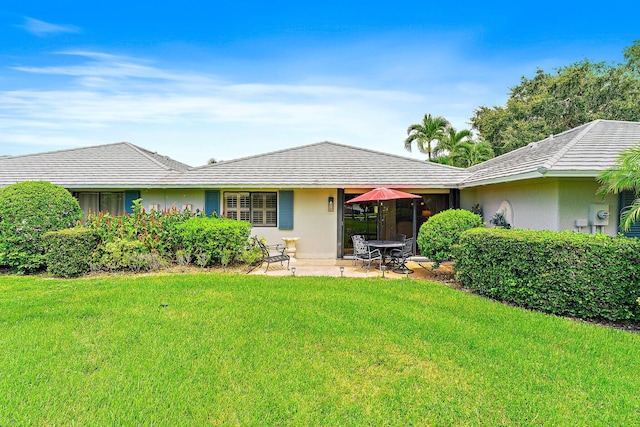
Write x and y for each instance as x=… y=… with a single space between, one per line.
x=155 y=230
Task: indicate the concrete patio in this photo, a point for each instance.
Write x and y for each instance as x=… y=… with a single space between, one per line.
x=331 y=268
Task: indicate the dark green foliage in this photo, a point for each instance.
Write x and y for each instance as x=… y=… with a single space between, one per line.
x=500 y=221
x=477 y=209
x=564 y=273
x=214 y=240
x=442 y=231
x=69 y=251
x=27 y=211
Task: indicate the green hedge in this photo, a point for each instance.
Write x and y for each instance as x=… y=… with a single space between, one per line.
x=442 y=231
x=564 y=273
x=213 y=240
x=69 y=251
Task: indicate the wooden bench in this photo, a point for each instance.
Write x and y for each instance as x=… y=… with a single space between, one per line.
x=271 y=253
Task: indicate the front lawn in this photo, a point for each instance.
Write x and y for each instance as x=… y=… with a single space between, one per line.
x=201 y=349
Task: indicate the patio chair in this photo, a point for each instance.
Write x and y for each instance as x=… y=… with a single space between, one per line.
x=398 y=237
x=399 y=257
x=360 y=239
x=271 y=253
x=362 y=252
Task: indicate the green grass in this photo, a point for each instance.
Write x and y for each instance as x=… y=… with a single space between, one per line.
x=232 y=349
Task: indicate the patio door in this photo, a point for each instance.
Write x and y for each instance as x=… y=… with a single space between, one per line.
x=388 y=218
x=358 y=218
x=396 y=217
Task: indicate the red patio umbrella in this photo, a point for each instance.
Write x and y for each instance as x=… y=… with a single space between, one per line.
x=382 y=193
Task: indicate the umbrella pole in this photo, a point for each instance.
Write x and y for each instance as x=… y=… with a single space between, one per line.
x=378 y=220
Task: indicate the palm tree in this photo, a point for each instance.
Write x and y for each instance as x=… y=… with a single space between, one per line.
x=624 y=176
x=450 y=141
x=431 y=129
x=469 y=153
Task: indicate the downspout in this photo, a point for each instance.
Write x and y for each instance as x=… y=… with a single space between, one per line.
x=415 y=224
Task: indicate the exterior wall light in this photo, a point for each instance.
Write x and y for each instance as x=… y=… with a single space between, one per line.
x=330 y=202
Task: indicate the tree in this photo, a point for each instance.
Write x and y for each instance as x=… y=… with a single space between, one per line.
x=553 y=103
x=459 y=149
x=624 y=176
x=450 y=141
x=424 y=134
x=632 y=56
x=469 y=153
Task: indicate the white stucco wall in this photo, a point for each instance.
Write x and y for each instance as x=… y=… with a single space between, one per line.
x=534 y=203
x=316 y=227
x=544 y=203
x=575 y=197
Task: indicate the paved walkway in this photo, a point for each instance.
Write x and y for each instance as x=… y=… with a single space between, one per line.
x=331 y=267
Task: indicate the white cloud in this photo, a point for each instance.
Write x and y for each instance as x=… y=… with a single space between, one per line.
x=194 y=116
x=42 y=29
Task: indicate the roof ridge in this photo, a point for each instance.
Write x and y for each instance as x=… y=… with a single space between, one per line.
x=616 y=121
x=396 y=155
x=268 y=153
x=556 y=157
x=155 y=153
x=62 y=150
x=301 y=147
x=145 y=152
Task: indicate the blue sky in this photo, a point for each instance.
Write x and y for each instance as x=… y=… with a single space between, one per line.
x=201 y=80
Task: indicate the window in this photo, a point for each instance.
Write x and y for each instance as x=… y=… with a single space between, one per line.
x=112 y=203
x=260 y=209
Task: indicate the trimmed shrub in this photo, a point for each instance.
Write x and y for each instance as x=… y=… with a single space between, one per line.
x=124 y=254
x=214 y=240
x=27 y=211
x=442 y=231
x=564 y=273
x=68 y=252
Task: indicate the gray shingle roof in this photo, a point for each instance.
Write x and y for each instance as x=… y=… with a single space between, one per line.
x=582 y=151
x=121 y=165
x=325 y=164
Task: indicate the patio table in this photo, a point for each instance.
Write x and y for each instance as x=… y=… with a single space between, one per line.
x=384 y=246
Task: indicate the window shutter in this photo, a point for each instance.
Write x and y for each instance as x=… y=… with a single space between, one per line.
x=626 y=199
x=285 y=210
x=129 y=197
x=211 y=202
